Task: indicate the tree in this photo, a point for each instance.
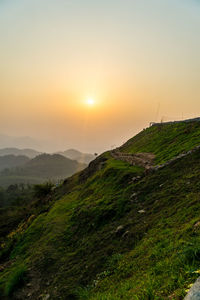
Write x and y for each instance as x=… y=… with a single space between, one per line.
x=42 y=190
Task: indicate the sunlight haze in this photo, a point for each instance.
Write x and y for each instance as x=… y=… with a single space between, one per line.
x=139 y=61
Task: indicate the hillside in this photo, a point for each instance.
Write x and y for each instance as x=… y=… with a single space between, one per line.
x=165 y=140
x=42 y=167
x=73 y=154
x=11 y=161
x=114 y=230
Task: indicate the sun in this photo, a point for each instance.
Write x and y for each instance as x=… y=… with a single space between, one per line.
x=90 y=101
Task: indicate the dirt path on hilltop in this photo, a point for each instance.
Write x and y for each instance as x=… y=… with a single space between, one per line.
x=145 y=160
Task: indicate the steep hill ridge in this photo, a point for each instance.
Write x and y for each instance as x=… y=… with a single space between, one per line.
x=146 y=160
x=165 y=140
x=114 y=231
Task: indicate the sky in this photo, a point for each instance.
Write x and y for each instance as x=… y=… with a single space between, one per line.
x=137 y=59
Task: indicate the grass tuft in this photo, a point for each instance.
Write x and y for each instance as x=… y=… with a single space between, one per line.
x=15 y=279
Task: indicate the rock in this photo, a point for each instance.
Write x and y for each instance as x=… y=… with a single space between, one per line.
x=28 y=284
x=142 y=211
x=125 y=234
x=133 y=195
x=194 y=292
x=119 y=229
x=197 y=224
x=46 y=297
x=136 y=178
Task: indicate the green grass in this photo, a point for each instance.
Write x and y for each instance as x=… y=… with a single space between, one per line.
x=15 y=279
x=165 y=140
x=76 y=246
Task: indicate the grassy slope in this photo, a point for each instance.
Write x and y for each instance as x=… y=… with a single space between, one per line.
x=165 y=141
x=76 y=251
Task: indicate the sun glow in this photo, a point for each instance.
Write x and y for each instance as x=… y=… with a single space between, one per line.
x=90 y=101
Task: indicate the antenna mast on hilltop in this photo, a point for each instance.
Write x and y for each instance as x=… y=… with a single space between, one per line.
x=157 y=112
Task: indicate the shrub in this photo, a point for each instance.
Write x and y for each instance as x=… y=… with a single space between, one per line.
x=42 y=190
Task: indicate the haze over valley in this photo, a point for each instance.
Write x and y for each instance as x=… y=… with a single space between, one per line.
x=30 y=166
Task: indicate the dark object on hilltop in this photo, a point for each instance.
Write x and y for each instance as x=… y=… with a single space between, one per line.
x=174 y=122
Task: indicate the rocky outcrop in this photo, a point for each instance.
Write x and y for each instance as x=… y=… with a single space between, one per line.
x=138 y=159
x=194 y=292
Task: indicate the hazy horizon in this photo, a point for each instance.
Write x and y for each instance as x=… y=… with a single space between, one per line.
x=49 y=146
x=138 y=60
x=28 y=142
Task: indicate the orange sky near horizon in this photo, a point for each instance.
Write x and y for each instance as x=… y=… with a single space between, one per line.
x=139 y=61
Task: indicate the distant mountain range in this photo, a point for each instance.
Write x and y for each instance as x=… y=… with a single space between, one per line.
x=78 y=156
x=31 y=166
x=73 y=154
x=11 y=161
x=39 y=169
x=15 y=151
